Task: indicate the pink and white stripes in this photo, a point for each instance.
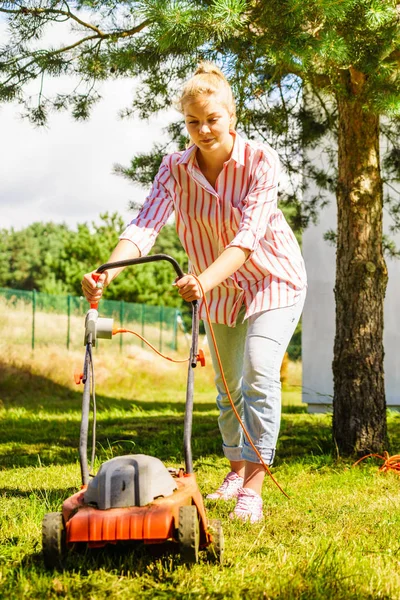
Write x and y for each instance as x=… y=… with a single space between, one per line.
x=241 y=211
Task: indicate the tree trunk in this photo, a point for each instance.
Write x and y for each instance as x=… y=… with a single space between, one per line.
x=359 y=406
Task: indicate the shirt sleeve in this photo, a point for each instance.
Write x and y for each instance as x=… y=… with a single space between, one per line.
x=153 y=215
x=259 y=204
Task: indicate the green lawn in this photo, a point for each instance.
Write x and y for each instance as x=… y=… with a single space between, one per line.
x=338 y=537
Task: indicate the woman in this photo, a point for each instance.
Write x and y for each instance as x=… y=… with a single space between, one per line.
x=223 y=190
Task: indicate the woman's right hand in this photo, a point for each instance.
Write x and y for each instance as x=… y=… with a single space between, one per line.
x=93 y=290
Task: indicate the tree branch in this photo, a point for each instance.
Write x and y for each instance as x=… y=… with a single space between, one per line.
x=321 y=81
x=393 y=56
x=99 y=34
x=72 y=46
x=46 y=11
x=67 y=13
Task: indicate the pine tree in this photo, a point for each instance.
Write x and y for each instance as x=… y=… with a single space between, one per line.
x=343 y=55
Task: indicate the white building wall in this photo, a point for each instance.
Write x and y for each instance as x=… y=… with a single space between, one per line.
x=319 y=317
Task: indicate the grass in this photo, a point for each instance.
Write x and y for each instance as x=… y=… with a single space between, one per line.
x=336 y=538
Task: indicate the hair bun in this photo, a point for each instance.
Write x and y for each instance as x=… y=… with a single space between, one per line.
x=207 y=67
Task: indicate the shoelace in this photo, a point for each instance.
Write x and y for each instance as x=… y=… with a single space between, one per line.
x=247 y=502
x=230 y=484
x=228 y=481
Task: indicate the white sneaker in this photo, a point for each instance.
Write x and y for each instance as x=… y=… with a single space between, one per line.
x=248 y=507
x=229 y=488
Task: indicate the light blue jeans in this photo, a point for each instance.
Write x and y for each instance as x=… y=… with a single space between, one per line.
x=251 y=355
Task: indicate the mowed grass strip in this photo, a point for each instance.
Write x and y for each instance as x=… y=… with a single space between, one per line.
x=338 y=537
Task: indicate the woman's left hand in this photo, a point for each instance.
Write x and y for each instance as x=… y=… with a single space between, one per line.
x=188 y=288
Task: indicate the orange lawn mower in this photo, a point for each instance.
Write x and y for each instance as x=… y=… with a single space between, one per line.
x=133 y=497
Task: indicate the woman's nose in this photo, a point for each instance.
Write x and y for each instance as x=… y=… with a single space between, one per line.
x=204 y=128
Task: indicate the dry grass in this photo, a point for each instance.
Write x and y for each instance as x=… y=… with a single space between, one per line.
x=50 y=357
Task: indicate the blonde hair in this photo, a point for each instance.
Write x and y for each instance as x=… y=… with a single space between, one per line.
x=207 y=79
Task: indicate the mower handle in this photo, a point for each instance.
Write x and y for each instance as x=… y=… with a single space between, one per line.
x=135 y=261
x=187 y=426
x=140 y=260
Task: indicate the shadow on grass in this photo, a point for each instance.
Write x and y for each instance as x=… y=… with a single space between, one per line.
x=20 y=388
x=56 y=442
x=154 y=428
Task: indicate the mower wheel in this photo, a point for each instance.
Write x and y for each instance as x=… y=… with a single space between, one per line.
x=53 y=540
x=216 y=549
x=189 y=534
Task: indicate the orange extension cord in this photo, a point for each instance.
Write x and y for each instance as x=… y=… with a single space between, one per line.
x=150 y=345
x=246 y=433
x=391 y=463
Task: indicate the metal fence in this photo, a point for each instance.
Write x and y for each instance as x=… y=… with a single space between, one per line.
x=41 y=319
x=44 y=319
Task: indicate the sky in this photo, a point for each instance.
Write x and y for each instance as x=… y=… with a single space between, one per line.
x=64 y=173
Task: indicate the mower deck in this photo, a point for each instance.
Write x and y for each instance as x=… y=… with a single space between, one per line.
x=155 y=523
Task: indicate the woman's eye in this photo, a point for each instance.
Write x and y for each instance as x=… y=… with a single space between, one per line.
x=192 y=122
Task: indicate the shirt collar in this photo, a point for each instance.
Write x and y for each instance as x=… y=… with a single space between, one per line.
x=187 y=155
x=238 y=152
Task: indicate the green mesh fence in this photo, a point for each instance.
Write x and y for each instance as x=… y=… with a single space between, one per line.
x=44 y=319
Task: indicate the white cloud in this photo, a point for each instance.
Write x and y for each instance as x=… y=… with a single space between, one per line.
x=64 y=173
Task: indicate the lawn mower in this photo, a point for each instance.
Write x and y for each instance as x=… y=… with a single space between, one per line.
x=133 y=498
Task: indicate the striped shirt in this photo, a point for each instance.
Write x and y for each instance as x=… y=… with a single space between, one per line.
x=241 y=211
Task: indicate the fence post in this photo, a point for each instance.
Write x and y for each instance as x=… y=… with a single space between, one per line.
x=33 y=317
x=121 y=321
x=143 y=320
x=69 y=320
x=161 y=321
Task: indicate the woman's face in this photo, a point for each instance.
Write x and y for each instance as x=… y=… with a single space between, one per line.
x=208 y=122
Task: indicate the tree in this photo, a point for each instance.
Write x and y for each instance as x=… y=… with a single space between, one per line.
x=31 y=257
x=52 y=259
x=345 y=55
